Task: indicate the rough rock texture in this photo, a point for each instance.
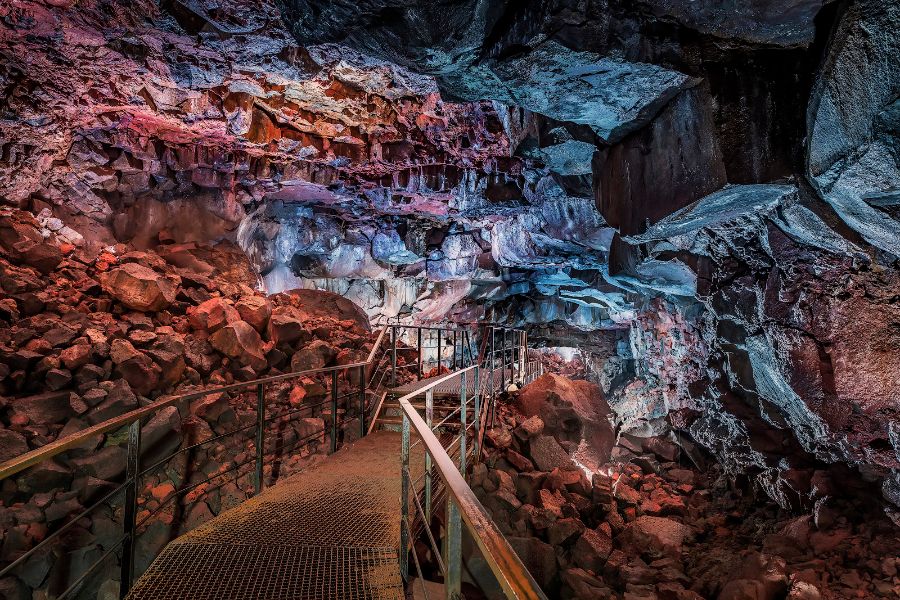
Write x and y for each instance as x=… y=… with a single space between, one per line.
x=700 y=196
x=96 y=337
x=653 y=524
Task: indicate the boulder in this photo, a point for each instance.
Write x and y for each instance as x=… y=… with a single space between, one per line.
x=316 y=355
x=12 y=444
x=564 y=531
x=139 y=288
x=76 y=356
x=287 y=326
x=655 y=536
x=592 y=549
x=240 y=341
x=546 y=454
x=539 y=558
x=212 y=315
x=256 y=310
x=571 y=410
x=106 y=463
x=138 y=369
x=50 y=407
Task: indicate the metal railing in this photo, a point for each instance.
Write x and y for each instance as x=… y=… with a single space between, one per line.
x=364 y=383
x=329 y=404
x=462 y=506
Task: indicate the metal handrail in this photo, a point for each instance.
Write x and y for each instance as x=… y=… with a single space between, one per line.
x=74 y=440
x=507 y=567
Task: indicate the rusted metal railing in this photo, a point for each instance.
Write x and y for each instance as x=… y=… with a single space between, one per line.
x=462 y=506
x=134 y=473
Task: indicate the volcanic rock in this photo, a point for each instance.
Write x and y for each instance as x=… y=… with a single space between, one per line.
x=239 y=340
x=139 y=288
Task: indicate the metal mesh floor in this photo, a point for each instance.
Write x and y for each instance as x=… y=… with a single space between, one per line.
x=232 y=572
x=331 y=531
x=451 y=387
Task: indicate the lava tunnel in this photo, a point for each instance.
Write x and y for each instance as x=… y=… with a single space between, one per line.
x=564 y=299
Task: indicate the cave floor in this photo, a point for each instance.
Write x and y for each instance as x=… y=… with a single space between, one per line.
x=331 y=531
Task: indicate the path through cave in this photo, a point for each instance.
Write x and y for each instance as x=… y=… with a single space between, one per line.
x=691 y=206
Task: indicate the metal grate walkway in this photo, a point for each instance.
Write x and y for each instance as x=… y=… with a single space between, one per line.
x=332 y=531
x=451 y=387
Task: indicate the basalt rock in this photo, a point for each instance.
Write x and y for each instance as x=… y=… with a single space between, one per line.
x=139 y=287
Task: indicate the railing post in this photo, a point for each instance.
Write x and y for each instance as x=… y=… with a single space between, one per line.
x=429 y=417
x=439 y=331
x=393 y=356
x=404 y=497
x=503 y=360
x=419 y=344
x=334 y=408
x=455 y=346
x=132 y=468
x=362 y=401
x=462 y=420
x=260 y=436
x=477 y=428
x=493 y=381
x=453 y=550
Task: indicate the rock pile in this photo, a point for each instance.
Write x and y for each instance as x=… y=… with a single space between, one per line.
x=649 y=524
x=87 y=338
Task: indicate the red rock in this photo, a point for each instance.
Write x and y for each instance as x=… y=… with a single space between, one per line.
x=539 y=558
x=139 y=288
x=162 y=491
x=297 y=395
x=564 y=531
x=584 y=586
x=138 y=369
x=655 y=536
x=256 y=310
x=571 y=410
x=546 y=454
x=239 y=340
x=212 y=315
x=518 y=461
x=551 y=501
x=499 y=437
x=315 y=355
x=530 y=427
x=626 y=494
x=287 y=326
x=592 y=549
x=527 y=485
x=76 y=356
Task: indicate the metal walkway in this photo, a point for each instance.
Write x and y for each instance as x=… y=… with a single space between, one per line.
x=331 y=531
x=451 y=388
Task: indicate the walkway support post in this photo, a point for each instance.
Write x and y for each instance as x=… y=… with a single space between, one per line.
x=132 y=470
x=455 y=346
x=393 y=356
x=429 y=417
x=362 y=402
x=502 y=359
x=462 y=422
x=334 y=416
x=493 y=381
x=404 y=498
x=453 y=560
x=419 y=344
x=260 y=435
x=477 y=420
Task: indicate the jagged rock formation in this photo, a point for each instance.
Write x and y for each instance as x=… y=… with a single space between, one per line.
x=703 y=200
x=776 y=257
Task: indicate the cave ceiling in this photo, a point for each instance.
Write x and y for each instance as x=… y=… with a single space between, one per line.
x=720 y=186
